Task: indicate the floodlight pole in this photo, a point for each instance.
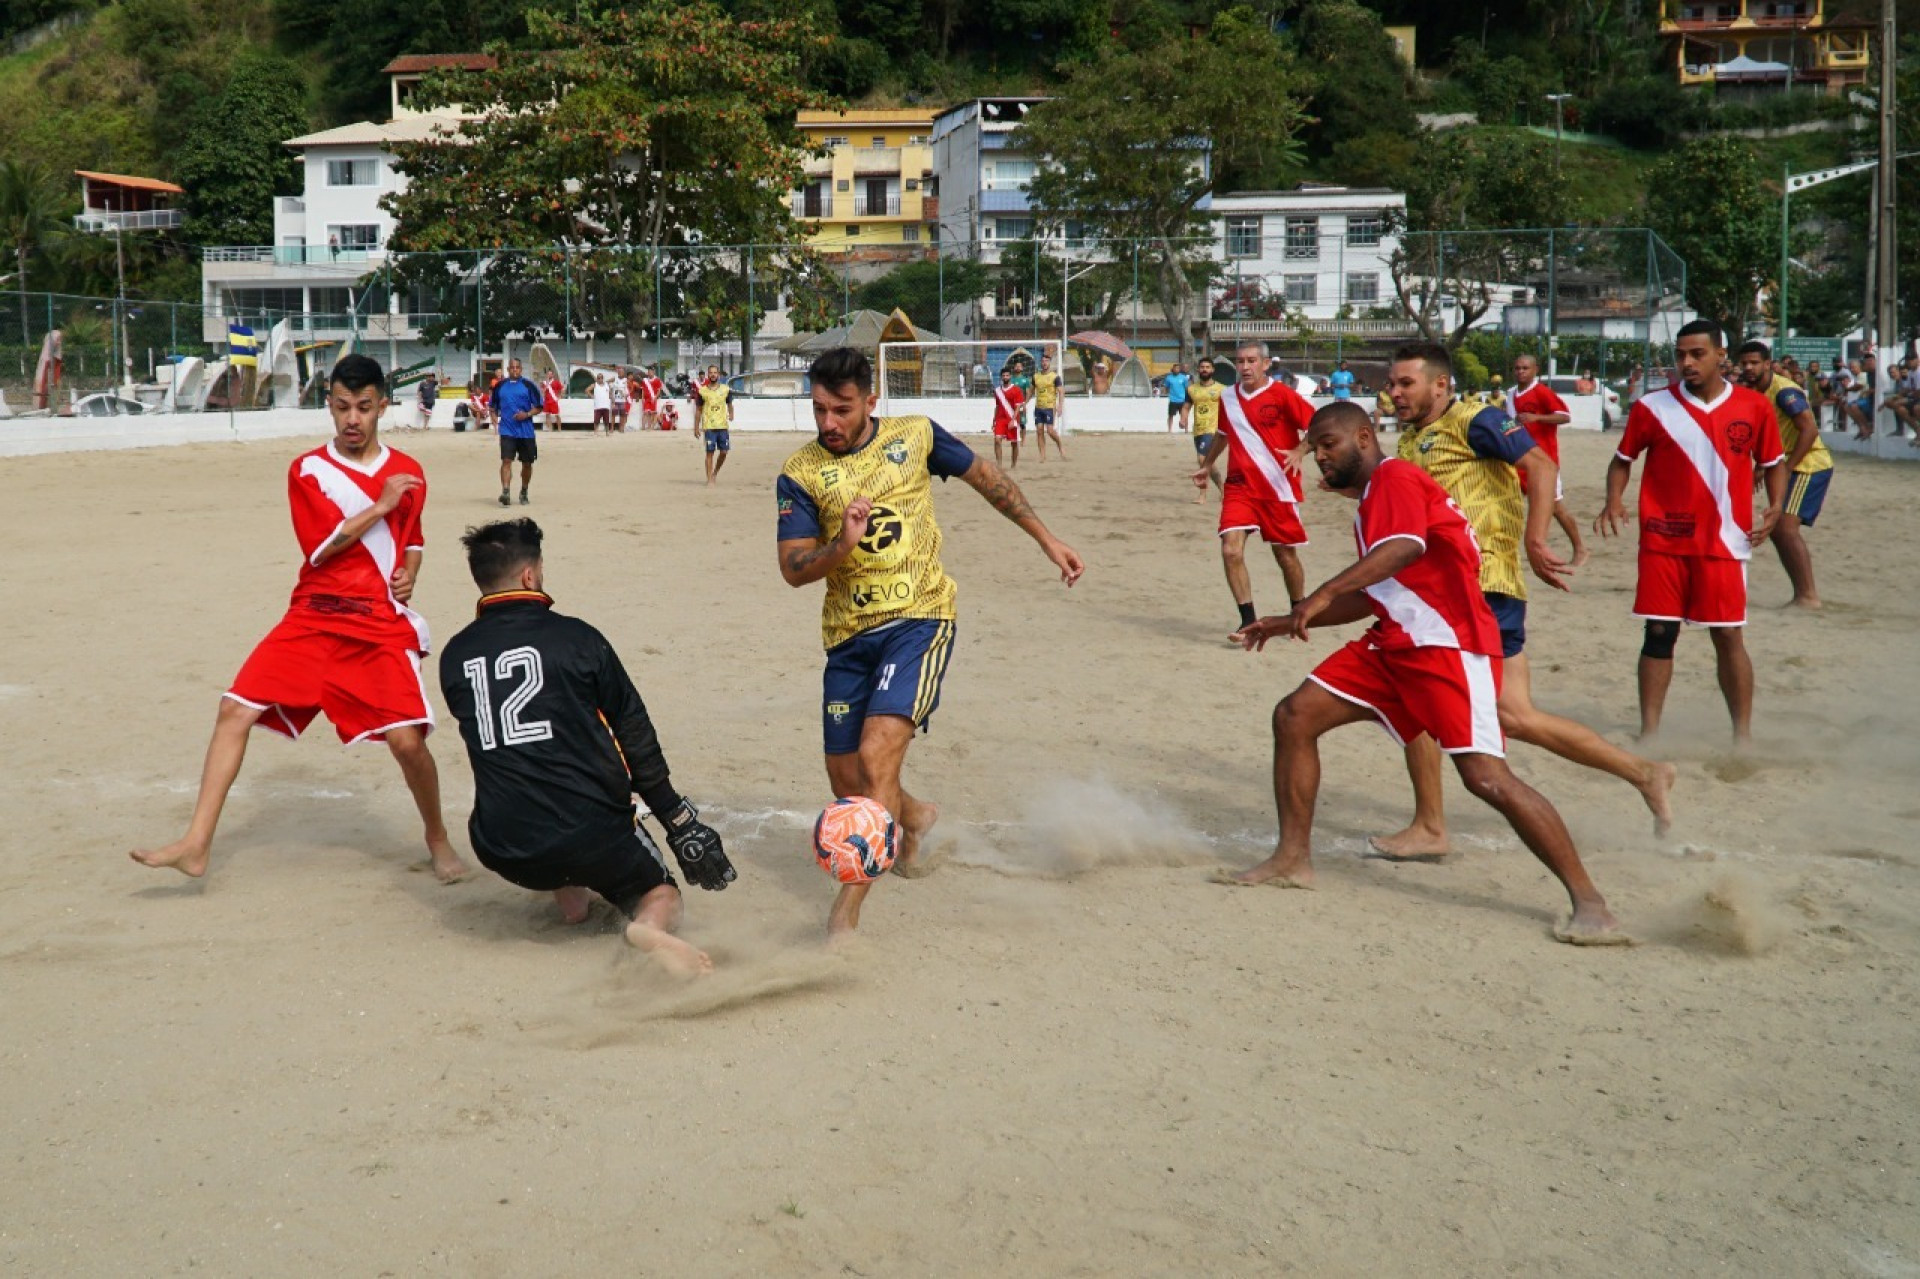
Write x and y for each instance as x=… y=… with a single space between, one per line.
x=1886 y=322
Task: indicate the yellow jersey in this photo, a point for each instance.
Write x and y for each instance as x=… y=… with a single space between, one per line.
x=894 y=573
x=713 y=407
x=1788 y=401
x=1046 y=390
x=1470 y=450
x=1205 y=398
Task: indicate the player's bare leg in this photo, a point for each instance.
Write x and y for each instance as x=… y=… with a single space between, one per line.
x=526 y=481
x=1298 y=723
x=1218 y=485
x=1233 y=554
x=720 y=462
x=1291 y=572
x=999 y=457
x=1060 y=445
x=575 y=904
x=1539 y=827
x=1736 y=677
x=409 y=747
x=875 y=773
x=225 y=752
x=1571 y=740
x=710 y=468
x=653 y=928
x=1425 y=838
x=506 y=479
x=1797 y=560
x=1564 y=518
x=1040 y=437
x=1655 y=676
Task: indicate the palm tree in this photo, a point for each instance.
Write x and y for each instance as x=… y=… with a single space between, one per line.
x=30 y=220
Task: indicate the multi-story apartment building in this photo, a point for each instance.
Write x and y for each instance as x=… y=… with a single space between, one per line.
x=1323 y=251
x=1765 y=43
x=868 y=195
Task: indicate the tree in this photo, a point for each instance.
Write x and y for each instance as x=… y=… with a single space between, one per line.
x=233 y=162
x=660 y=127
x=1134 y=166
x=30 y=221
x=1359 y=83
x=1709 y=200
x=918 y=287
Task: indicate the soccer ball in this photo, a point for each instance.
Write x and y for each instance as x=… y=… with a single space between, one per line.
x=854 y=840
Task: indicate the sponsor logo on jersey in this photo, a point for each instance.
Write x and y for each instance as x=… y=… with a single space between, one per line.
x=839 y=711
x=829 y=476
x=892 y=592
x=897 y=452
x=786 y=506
x=884 y=530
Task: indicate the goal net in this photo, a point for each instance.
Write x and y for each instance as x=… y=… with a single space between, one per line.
x=953 y=382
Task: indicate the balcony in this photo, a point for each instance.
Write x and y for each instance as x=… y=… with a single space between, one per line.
x=132 y=220
x=289 y=255
x=844 y=208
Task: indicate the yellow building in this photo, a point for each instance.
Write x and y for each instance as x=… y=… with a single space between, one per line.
x=1775 y=43
x=868 y=195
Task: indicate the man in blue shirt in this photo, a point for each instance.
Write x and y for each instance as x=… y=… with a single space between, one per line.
x=515 y=401
x=1341 y=382
x=1178 y=406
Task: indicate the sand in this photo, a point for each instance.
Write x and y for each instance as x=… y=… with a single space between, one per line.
x=1065 y=1053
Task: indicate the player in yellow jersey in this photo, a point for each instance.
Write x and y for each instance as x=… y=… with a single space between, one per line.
x=1203 y=393
x=1475 y=452
x=713 y=419
x=856 y=509
x=1809 y=467
x=1049 y=406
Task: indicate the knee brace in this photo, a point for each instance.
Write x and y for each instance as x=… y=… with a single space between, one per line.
x=1660 y=639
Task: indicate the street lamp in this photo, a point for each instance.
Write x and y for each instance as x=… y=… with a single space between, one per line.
x=1558 y=100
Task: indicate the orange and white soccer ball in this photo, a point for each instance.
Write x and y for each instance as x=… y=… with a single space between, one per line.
x=855 y=840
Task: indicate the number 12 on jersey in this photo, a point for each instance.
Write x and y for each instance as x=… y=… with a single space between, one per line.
x=513 y=732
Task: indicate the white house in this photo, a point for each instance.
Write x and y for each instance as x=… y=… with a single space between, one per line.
x=1321 y=248
x=332 y=234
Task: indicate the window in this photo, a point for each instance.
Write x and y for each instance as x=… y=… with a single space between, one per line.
x=1243 y=237
x=814 y=200
x=353 y=173
x=852 y=230
x=874 y=205
x=1302 y=290
x=1076 y=234
x=1303 y=239
x=913 y=184
x=1009 y=175
x=879 y=143
x=910 y=234
x=835 y=141
x=1363 y=287
x=919 y=140
x=1365 y=229
x=1012 y=228
x=328 y=301
x=267 y=304
x=357 y=238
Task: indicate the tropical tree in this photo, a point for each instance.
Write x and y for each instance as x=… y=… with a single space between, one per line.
x=918 y=289
x=233 y=161
x=663 y=130
x=1709 y=200
x=1135 y=164
x=30 y=222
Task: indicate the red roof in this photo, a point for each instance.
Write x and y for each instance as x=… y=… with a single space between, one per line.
x=137 y=184
x=416 y=63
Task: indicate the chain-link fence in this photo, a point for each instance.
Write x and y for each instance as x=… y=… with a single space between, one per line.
x=1592 y=300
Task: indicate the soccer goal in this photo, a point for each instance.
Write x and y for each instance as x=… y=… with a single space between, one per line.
x=947 y=381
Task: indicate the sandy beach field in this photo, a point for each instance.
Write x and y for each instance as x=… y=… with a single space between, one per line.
x=1064 y=1053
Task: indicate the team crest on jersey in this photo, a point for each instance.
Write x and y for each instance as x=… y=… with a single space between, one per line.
x=1426 y=445
x=1740 y=436
x=897 y=452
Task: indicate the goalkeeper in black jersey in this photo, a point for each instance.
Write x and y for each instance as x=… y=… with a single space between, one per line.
x=560 y=743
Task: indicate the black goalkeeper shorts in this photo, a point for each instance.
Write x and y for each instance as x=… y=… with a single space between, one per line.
x=622 y=872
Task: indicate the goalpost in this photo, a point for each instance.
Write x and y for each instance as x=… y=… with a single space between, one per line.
x=953 y=382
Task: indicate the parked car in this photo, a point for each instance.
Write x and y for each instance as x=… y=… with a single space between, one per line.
x=1612 y=415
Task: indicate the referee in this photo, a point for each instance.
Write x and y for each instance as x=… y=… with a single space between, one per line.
x=560 y=743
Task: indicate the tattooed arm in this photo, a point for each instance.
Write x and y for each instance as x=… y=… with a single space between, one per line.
x=1004 y=496
x=808 y=559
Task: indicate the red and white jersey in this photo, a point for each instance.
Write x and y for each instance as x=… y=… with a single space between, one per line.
x=351 y=593
x=1006 y=406
x=1434 y=602
x=650 y=389
x=1696 y=494
x=1537 y=397
x=550 y=395
x=1262 y=428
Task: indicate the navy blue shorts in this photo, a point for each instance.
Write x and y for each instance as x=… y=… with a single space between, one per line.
x=1806 y=494
x=719 y=441
x=891 y=670
x=1043 y=417
x=1201 y=443
x=1511 y=613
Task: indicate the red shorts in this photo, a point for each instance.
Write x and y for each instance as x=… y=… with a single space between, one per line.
x=366 y=689
x=1006 y=431
x=1450 y=695
x=1278 y=523
x=1691 y=588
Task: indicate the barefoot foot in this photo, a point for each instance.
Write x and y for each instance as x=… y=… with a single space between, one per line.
x=1809 y=602
x=188 y=856
x=1592 y=925
x=682 y=959
x=910 y=864
x=1414 y=844
x=1581 y=556
x=1270 y=873
x=447 y=866
x=1657 y=790
x=575 y=904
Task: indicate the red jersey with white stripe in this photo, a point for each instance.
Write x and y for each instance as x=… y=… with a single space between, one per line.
x=550 y=395
x=1262 y=428
x=1538 y=397
x=1696 y=494
x=1434 y=602
x=650 y=388
x=351 y=593
x=1006 y=407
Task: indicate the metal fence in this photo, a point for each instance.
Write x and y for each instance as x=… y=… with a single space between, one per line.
x=1603 y=298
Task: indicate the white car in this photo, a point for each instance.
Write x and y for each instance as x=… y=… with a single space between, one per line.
x=1611 y=414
